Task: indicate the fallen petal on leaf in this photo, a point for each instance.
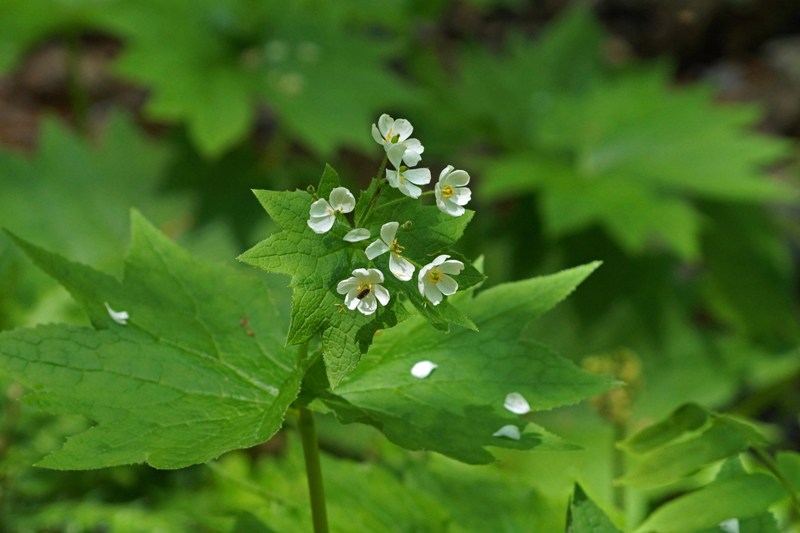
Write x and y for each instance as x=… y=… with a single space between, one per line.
x=510 y=432
x=423 y=369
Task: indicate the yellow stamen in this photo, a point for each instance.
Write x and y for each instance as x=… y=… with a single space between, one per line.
x=447 y=191
x=434 y=275
x=396 y=247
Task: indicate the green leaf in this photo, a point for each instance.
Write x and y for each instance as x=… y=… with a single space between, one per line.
x=459 y=406
x=740 y=497
x=317 y=263
x=199 y=369
x=586 y=517
x=634 y=152
x=687 y=418
x=224 y=59
x=687 y=450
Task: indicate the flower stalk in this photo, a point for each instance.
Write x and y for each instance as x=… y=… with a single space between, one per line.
x=316 y=490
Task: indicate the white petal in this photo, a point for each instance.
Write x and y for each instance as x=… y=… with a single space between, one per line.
x=346 y=284
x=462 y=196
x=451 y=267
x=432 y=293
x=357 y=235
x=403 y=128
x=439 y=260
x=361 y=274
x=418 y=176
x=401 y=267
x=423 y=369
x=377 y=134
x=457 y=178
x=730 y=526
x=120 y=317
x=409 y=189
x=414 y=148
x=395 y=153
x=510 y=432
x=368 y=304
x=393 y=177
x=374 y=276
x=321 y=225
x=447 y=170
x=517 y=404
x=350 y=299
x=385 y=124
x=447 y=285
x=389 y=231
x=381 y=294
x=320 y=208
x=450 y=207
x=342 y=199
x=378 y=247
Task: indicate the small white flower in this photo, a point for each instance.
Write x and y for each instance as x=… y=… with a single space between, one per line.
x=400 y=267
x=517 y=404
x=394 y=135
x=406 y=180
x=356 y=235
x=451 y=193
x=323 y=214
x=423 y=369
x=120 y=317
x=364 y=290
x=434 y=278
x=510 y=432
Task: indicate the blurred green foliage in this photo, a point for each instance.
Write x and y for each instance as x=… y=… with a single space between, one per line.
x=577 y=157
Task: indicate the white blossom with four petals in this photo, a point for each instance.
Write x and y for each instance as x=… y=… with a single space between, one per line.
x=394 y=135
x=323 y=213
x=451 y=191
x=406 y=180
x=363 y=290
x=434 y=279
x=399 y=266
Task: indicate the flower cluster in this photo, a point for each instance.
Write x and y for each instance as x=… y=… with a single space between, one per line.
x=364 y=290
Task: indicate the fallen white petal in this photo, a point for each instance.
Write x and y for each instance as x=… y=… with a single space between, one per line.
x=510 y=432
x=120 y=317
x=423 y=369
x=730 y=526
x=517 y=404
x=356 y=235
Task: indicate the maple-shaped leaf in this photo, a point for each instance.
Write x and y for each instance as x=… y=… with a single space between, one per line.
x=458 y=407
x=224 y=59
x=317 y=263
x=198 y=368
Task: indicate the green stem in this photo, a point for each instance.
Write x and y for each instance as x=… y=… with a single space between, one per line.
x=772 y=466
x=316 y=491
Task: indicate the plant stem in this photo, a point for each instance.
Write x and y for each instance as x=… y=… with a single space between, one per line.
x=316 y=491
x=772 y=466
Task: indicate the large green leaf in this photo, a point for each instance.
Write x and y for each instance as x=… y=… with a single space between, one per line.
x=225 y=58
x=199 y=369
x=317 y=263
x=459 y=406
x=739 y=497
x=586 y=517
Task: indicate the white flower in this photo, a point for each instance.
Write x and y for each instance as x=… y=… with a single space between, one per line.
x=394 y=135
x=364 y=290
x=509 y=431
x=323 y=214
x=451 y=193
x=406 y=180
x=423 y=369
x=120 y=317
x=434 y=281
x=356 y=235
x=517 y=404
x=400 y=267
